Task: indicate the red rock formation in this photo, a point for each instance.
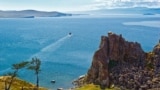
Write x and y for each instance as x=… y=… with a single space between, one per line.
x=98 y=73
x=116 y=48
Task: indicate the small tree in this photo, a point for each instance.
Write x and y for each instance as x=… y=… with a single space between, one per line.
x=35 y=66
x=16 y=68
x=150 y=60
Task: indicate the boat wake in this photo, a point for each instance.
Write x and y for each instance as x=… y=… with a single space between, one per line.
x=52 y=47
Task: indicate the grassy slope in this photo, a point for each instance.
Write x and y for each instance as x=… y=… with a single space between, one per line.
x=17 y=84
x=94 y=87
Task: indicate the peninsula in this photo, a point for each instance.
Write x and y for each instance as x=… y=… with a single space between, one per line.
x=31 y=14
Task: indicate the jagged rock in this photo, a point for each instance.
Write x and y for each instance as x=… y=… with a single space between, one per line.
x=144 y=87
x=80 y=81
x=154 y=80
x=149 y=82
x=156 y=52
x=112 y=48
x=124 y=64
x=156 y=49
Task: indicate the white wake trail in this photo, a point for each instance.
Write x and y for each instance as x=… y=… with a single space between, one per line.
x=52 y=47
x=46 y=50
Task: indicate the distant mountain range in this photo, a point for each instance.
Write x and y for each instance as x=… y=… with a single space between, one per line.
x=136 y=10
x=35 y=13
x=31 y=14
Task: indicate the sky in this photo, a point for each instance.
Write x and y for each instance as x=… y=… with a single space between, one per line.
x=75 y=5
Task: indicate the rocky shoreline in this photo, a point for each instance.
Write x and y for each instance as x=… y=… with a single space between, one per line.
x=134 y=77
x=123 y=64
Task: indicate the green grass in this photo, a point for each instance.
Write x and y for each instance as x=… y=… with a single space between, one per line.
x=17 y=84
x=94 y=87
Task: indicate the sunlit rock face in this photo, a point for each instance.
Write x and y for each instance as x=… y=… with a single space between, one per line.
x=113 y=48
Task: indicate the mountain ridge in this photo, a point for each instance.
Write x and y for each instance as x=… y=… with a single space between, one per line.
x=135 y=10
x=31 y=14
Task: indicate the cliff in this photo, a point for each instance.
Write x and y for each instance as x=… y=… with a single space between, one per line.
x=123 y=63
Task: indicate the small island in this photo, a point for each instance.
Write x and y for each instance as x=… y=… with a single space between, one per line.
x=29 y=17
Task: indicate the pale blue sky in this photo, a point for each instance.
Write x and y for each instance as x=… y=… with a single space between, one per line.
x=74 y=5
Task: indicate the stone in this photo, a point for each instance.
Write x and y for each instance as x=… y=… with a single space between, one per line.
x=144 y=87
x=149 y=82
x=154 y=80
x=112 y=48
x=124 y=64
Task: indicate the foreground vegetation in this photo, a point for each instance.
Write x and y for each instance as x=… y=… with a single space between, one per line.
x=17 y=84
x=95 y=87
x=10 y=77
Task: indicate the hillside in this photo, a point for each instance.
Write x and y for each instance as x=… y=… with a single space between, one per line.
x=17 y=84
x=31 y=14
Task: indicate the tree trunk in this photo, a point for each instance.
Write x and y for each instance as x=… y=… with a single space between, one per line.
x=11 y=81
x=22 y=88
x=37 y=81
x=5 y=84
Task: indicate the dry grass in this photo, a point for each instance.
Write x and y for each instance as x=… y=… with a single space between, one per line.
x=94 y=87
x=17 y=84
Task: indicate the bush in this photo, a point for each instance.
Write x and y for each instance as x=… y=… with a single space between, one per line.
x=112 y=63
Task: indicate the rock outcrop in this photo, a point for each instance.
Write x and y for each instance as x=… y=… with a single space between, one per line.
x=122 y=63
x=156 y=52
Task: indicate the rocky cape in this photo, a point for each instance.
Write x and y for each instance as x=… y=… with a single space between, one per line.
x=31 y=14
x=124 y=64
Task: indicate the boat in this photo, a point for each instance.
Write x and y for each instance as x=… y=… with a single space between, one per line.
x=53 y=81
x=60 y=89
x=70 y=33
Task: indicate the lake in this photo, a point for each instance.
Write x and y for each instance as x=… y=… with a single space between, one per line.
x=65 y=57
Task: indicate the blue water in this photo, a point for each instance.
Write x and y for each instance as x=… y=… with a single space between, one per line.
x=64 y=57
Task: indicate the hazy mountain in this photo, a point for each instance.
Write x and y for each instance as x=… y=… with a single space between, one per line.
x=136 y=10
x=30 y=14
